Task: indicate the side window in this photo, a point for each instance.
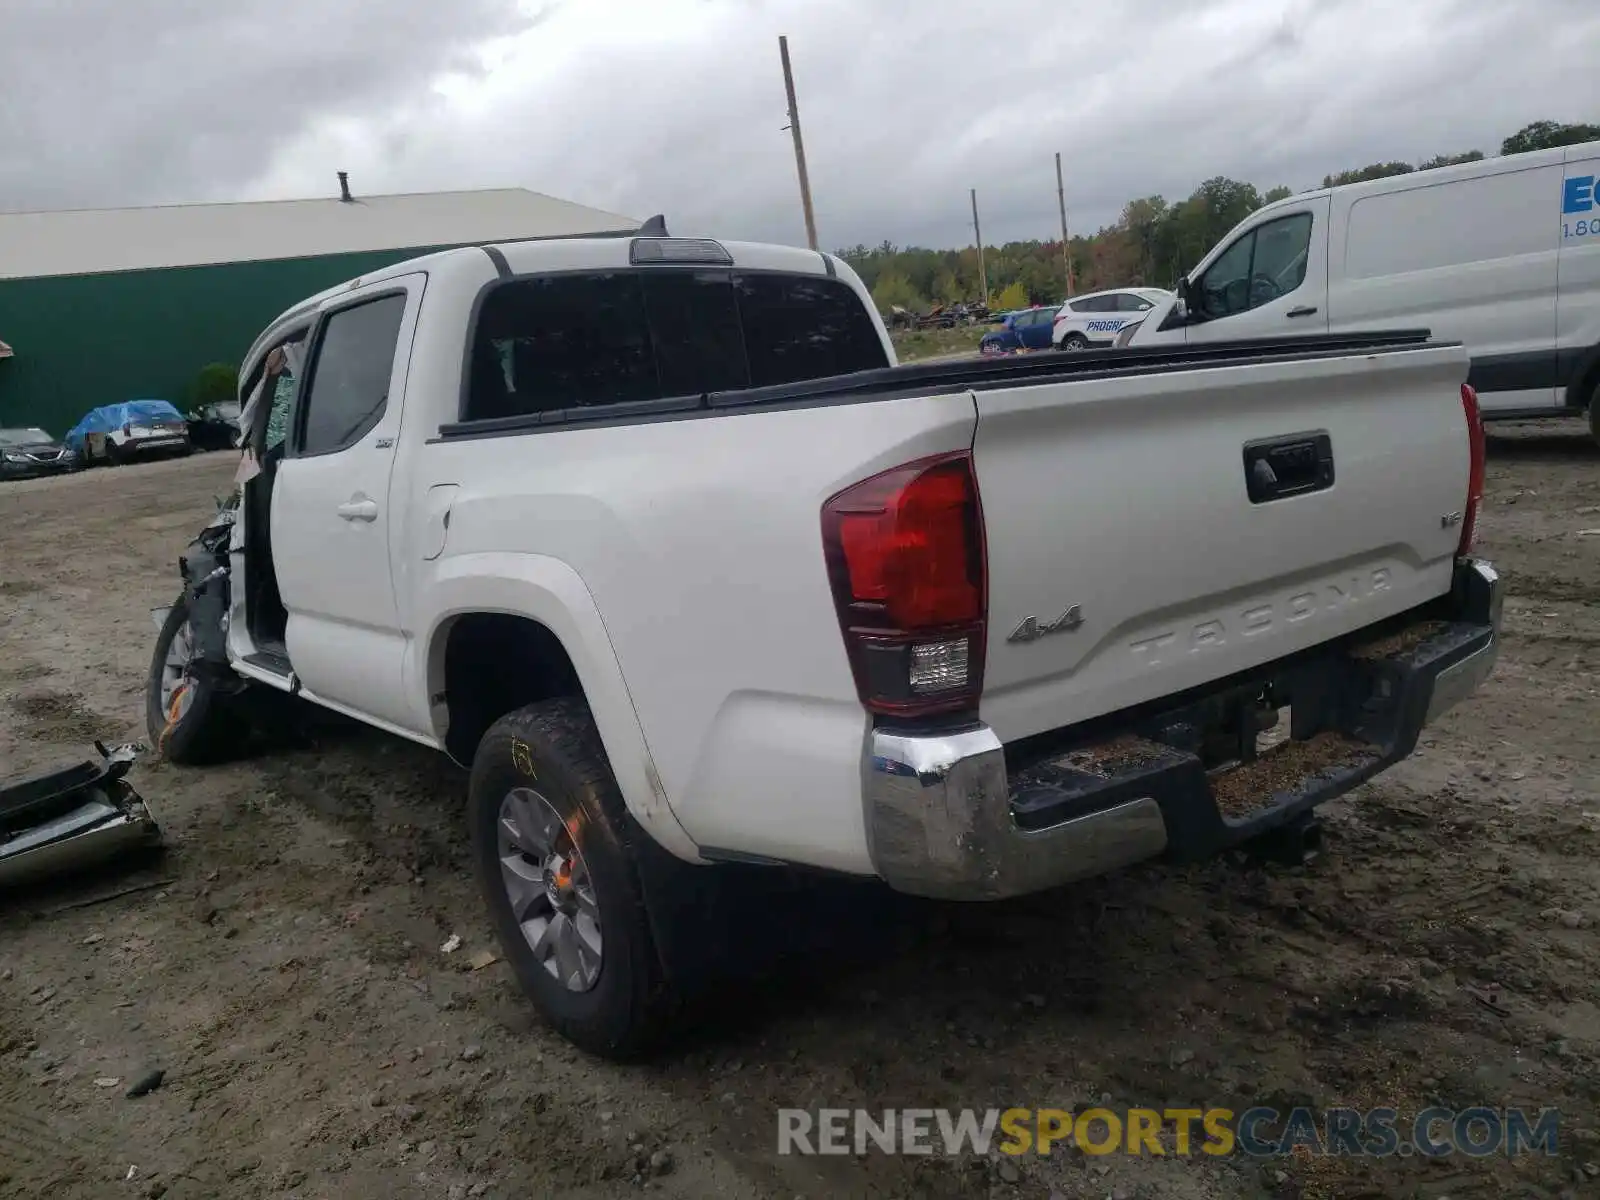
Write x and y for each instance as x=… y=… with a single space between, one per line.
x=798 y=327
x=1281 y=251
x=349 y=383
x=1097 y=304
x=280 y=400
x=561 y=341
x=1267 y=262
x=1132 y=302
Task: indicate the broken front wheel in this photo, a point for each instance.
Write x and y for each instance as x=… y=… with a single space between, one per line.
x=190 y=715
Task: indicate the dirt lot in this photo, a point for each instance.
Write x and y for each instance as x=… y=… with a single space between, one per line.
x=288 y=978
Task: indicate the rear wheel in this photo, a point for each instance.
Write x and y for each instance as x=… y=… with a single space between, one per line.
x=559 y=879
x=1594 y=413
x=113 y=452
x=1074 y=342
x=188 y=719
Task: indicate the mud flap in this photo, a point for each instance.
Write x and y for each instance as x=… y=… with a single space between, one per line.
x=72 y=818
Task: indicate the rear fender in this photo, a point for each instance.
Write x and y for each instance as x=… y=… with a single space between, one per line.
x=548 y=591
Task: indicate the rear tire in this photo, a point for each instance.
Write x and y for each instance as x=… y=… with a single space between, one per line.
x=113 y=453
x=209 y=727
x=607 y=996
x=1594 y=414
x=1074 y=342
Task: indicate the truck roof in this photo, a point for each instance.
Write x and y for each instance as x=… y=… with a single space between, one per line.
x=598 y=251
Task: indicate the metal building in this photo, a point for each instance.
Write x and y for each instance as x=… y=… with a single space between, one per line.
x=103 y=305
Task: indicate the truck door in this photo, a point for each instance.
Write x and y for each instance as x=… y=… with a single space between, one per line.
x=1271 y=280
x=331 y=510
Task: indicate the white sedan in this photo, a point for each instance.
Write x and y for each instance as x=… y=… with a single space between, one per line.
x=1097 y=318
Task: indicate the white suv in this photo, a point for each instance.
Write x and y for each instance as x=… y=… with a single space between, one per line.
x=1096 y=319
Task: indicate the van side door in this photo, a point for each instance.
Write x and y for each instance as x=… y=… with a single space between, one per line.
x=1467 y=252
x=1578 y=289
x=1271 y=280
x=331 y=504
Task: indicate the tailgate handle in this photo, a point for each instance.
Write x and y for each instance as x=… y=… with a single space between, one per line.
x=1280 y=467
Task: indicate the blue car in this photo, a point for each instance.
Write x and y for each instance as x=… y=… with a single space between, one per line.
x=1025 y=330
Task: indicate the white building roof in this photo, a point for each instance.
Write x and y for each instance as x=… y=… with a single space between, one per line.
x=84 y=241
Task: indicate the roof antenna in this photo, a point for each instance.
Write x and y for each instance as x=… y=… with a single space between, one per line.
x=344 y=187
x=656 y=226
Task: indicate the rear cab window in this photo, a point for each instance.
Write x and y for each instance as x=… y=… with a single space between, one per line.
x=587 y=340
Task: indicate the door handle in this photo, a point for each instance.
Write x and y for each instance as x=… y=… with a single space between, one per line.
x=1302 y=311
x=359 y=510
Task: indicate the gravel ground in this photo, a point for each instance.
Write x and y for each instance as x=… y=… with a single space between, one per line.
x=286 y=971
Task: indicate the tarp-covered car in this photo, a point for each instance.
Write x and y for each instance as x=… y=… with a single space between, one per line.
x=115 y=433
x=25 y=453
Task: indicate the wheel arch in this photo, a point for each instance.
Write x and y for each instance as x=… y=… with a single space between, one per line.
x=1585 y=379
x=538 y=616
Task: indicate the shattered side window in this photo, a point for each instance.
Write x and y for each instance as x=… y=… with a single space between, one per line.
x=278 y=414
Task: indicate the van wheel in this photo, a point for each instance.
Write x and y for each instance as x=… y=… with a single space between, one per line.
x=559 y=879
x=188 y=719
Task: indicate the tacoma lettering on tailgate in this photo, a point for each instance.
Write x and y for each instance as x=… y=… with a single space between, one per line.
x=1258 y=618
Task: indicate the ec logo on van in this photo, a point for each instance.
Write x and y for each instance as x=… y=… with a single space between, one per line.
x=1580 y=194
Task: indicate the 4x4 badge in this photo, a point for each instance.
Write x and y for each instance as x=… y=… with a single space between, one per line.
x=1032 y=629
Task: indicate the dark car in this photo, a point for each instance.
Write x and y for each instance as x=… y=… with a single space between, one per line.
x=215 y=426
x=1025 y=330
x=25 y=453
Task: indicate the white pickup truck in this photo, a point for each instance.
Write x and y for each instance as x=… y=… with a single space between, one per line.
x=653 y=535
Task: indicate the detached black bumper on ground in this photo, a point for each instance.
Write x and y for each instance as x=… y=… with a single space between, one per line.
x=962 y=817
x=71 y=818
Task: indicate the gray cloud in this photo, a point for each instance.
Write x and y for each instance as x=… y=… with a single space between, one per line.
x=648 y=105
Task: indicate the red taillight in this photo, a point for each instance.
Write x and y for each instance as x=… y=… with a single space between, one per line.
x=1469 y=513
x=906 y=560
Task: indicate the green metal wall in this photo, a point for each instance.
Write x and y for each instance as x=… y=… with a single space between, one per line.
x=85 y=340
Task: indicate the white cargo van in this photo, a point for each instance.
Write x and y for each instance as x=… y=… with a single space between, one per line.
x=1502 y=254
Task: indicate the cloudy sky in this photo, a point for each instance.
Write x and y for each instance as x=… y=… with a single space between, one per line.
x=677 y=106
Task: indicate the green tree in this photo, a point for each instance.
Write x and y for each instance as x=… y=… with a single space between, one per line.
x=215 y=383
x=1371 y=171
x=1278 y=193
x=1450 y=160
x=894 y=289
x=1013 y=295
x=1544 y=135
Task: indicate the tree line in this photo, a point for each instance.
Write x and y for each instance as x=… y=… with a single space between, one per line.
x=1151 y=243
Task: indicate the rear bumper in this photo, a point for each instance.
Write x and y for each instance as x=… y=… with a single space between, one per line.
x=945 y=816
x=155 y=445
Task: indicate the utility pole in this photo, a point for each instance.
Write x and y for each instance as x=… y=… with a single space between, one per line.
x=983 y=276
x=799 y=144
x=1061 y=199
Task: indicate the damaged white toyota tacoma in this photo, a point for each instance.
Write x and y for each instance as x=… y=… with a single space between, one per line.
x=654 y=536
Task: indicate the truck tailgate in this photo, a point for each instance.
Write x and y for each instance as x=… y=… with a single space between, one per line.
x=1129 y=560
